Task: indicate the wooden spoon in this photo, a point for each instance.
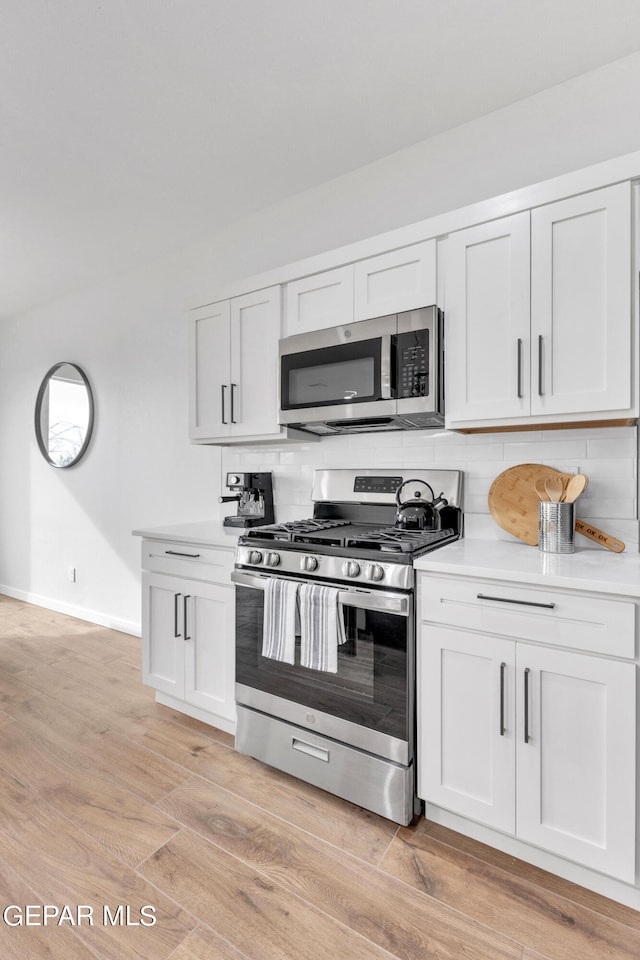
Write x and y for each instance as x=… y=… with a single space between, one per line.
x=575 y=487
x=554 y=486
x=541 y=489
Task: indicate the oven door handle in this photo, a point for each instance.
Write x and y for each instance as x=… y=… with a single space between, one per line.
x=398 y=604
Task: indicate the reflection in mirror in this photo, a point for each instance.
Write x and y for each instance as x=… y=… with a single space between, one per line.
x=64 y=415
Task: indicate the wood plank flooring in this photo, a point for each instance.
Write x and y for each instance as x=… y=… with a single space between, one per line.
x=108 y=799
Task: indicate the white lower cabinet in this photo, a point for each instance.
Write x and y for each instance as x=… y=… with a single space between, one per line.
x=531 y=740
x=188 y=640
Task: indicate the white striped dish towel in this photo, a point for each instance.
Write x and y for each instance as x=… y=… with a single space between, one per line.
x=321 y=627
x=279 y=625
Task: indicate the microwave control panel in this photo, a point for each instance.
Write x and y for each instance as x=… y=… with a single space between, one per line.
x=412 y=357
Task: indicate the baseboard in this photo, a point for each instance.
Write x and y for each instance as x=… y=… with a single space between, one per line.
x=72 y=610
x=221 y=723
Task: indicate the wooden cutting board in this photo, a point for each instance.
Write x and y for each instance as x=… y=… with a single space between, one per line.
x=513 y=501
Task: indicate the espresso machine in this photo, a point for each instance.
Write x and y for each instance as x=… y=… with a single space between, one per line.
x=254 y=496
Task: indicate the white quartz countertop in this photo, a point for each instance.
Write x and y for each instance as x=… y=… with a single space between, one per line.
x=204 y=533
x=597 y=570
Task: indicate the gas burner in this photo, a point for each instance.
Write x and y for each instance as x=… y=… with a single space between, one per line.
x=294 y=528
x=391 y=540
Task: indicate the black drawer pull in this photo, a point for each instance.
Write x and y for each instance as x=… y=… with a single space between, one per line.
x=176 y=553
x=524 y=603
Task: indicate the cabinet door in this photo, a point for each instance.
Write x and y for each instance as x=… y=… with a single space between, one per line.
x=163 y=633
x=399 y=280
x=209 y=358
x=466 y=720
x=323 y=300
x=209 y=648
x=576 y=773
x=580 y=303
x=253 y=387
x=487 y=318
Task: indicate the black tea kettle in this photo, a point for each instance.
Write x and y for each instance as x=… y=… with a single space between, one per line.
x=417 y=508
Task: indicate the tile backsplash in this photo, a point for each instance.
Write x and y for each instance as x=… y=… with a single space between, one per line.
x=608 y=455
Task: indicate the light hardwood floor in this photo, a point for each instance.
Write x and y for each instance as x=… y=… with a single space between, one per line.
x=107 y=798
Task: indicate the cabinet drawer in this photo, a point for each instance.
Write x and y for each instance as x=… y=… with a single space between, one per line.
x=212 y=564
x=540 y=614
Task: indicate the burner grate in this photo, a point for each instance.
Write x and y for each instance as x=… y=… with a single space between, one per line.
x=294 y=528
x=391 y=540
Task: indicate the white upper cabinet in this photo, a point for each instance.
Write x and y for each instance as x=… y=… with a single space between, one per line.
x=322 y=300
x=255 y=328
x=487 y=320
x=581 y=303
x=538 y=314
x=392 y=282
x=209 y=352
x=233 y=369
x=403 y=279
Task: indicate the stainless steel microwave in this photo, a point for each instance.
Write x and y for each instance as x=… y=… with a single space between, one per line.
x=374 y=375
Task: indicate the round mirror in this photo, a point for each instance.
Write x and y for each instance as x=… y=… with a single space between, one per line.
x=64 y=415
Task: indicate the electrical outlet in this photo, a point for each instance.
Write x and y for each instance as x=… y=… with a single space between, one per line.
x=71 y=573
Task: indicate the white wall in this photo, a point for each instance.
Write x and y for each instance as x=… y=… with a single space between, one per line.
x=129 y=335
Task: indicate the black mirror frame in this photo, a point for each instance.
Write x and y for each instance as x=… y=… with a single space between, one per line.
x=38 y=412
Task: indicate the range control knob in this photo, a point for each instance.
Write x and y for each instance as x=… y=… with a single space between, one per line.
x=350 y=568
x=255 y=556
x=373 y=571
x=273 y=559
x=309 y=564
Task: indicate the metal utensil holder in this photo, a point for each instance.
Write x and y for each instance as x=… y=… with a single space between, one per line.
x=556 y=524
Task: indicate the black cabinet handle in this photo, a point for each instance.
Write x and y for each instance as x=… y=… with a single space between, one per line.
x=233 y=394
x=192 y=556
x=503 y=667
x=176 y=632
x=519 y=368
x=222 y=399
x=527 y=738
x=524 y=603
x=184 y=614
x=540 y=365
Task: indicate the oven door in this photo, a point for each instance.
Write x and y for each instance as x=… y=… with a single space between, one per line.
x=368 y=703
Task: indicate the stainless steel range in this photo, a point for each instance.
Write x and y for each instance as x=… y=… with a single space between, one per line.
x=325 y=633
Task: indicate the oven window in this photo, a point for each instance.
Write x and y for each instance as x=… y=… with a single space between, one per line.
x=371 y=685
x=348 y=373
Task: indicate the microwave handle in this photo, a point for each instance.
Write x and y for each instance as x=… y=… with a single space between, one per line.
x=385 y=368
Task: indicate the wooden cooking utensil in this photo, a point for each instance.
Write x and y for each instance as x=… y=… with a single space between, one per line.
x=588 y=530
x=575 y=487
x=541 y=490
x=513 y=500
x=554 y=485
x=513 y=503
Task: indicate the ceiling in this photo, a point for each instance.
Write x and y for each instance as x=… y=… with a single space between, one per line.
x=131 y=128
